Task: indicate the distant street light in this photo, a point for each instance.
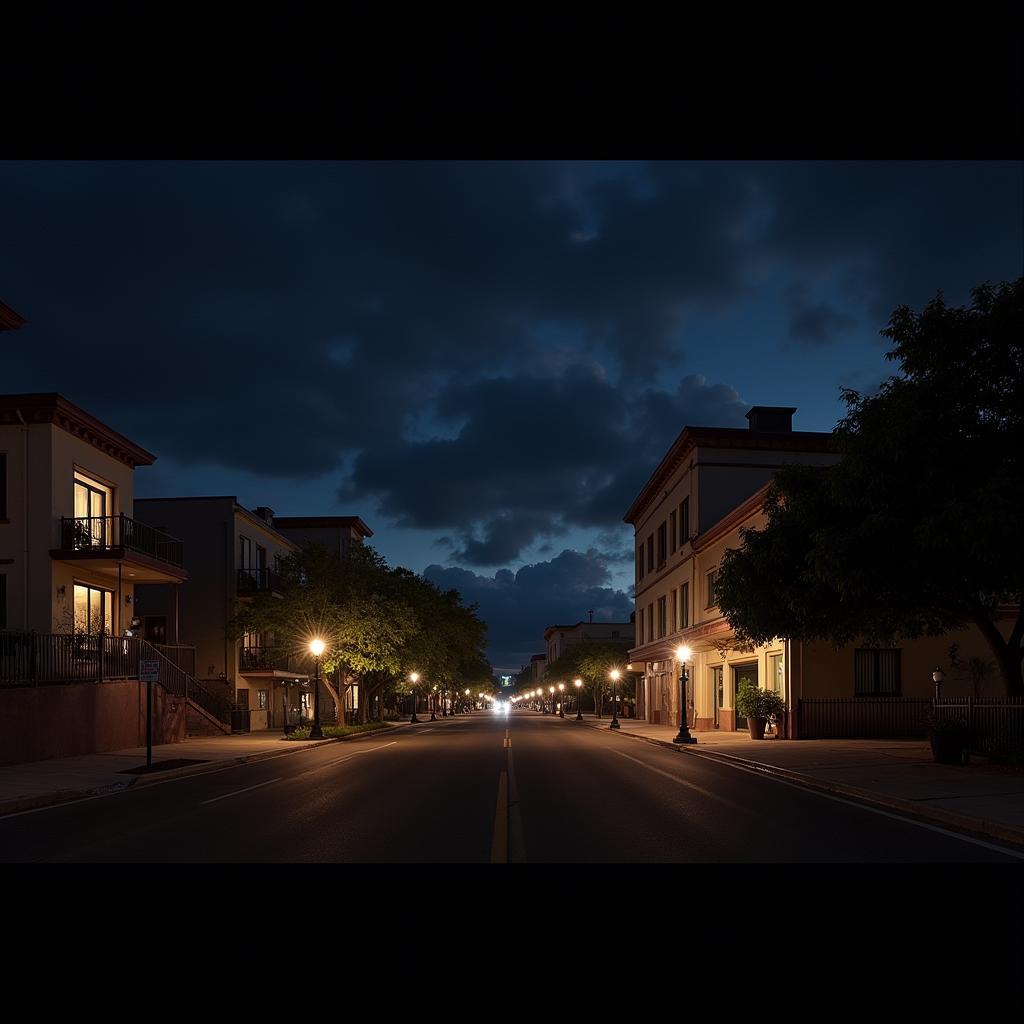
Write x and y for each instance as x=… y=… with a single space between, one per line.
x=561 y=702
x=683 y=655
x=937 y=676
x=316 y=648
x=414 y=679
x=433 y=701
x=551 y=691
x=615 y=712
x=578 y=683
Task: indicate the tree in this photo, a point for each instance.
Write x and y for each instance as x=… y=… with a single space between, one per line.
x=593 y=663
x=916 y=530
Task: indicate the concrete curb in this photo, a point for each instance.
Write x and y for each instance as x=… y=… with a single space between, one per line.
x=31 y=803
x=935 y=816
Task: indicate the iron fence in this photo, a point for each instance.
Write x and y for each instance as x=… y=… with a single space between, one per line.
x=252 y=580
x=863 y=718
x=267 y=659
x=995 y=725
x=102 y=533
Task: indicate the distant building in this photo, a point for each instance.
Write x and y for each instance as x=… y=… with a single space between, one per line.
x=336 y=533
x=538 y=665
x=560 y=638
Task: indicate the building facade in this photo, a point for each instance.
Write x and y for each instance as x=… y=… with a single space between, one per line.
x=233 y=553
x=559 y=638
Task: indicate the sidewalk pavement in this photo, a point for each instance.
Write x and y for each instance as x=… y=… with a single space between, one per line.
x=59 y=780
x=898 y=775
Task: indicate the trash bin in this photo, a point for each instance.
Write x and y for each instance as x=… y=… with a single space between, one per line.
x=240 y=719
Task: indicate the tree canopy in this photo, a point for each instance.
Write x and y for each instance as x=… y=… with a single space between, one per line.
x=592 y=662
x=916 y=530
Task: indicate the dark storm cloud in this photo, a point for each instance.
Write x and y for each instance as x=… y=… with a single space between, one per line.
x=520 y=606
x=814 y=323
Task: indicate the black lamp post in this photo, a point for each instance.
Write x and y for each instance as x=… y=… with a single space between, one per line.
x=413 y=678
x=683 y=655
x=578 y=683
x=615 y=711
x=433 y=699
x=561 y=700
x=316 y=647
x=937 y=676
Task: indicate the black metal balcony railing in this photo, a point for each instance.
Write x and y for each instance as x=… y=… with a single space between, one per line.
x=251 y=581
x=102 y=533
x=267 y=659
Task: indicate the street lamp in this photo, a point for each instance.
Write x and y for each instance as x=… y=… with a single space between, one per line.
x=614 y=724
x=414 y=679
x=561 y=702
x=316 y=648
x=578 y=683
x=937 y=676
x=683 y=655
x=551 y=690
x=433 y=717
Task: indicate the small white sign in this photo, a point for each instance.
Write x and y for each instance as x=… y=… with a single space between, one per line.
x=149 y=671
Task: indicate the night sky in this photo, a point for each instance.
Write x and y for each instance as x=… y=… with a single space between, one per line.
x=484 y=361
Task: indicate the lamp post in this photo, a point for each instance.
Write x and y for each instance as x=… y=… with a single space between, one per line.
x=578 y=683
x=467 y=693
x=433 y=702
x=316 y=648
x=937 y=676
x=551 y=692
x=683 y=655
x=414 y=679
x=614 y=724
x=561 y=701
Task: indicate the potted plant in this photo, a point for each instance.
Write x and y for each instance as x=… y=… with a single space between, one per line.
x=948 y=739
x=757 y=706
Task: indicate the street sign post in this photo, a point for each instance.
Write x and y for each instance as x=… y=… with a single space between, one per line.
x=149 y=673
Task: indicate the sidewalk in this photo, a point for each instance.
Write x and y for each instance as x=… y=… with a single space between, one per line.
x=898 y=775
x=58 y=780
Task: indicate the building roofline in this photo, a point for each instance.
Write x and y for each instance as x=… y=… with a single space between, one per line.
x=323 y=522
x=582 y=623
x=747 y=508
x=51 y=407
x=722 y=437
x=236 y=507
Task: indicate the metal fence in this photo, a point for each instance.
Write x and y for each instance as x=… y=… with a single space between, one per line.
x=995 y=725
x=889 y=718
x=101 y=533
x=39 y=659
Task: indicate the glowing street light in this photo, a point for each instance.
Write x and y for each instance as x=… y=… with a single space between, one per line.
x=414 y=678
x=561 y=703
x=578 y=683
x=316 y=648
x=615 y=713
x=683 y=655
x=433 y=717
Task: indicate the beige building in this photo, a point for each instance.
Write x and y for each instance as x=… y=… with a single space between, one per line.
x=687 y=513
x=233 y=553
x=71 y=550
x=538 y=668
x=559 y=638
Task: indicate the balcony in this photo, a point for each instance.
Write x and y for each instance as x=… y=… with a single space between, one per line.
x=110 y=542
x=278 y=662
x=256 y=581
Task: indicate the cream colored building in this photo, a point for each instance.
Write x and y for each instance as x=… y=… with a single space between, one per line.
x=708 y=485
x=71 y=550
x=559 y=638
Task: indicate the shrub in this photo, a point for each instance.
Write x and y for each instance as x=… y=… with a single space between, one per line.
x=755 y=702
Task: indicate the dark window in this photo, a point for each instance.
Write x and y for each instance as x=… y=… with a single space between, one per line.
x=675 y=610
x=672 y=535
x=684 y=604
x=662 y=543
x=876 y=671
x=640 y=559
x=650 y=553
x=244 y=553
x=712 y=588
x=640 y=623
x=650 y=622
x=3 y=485
x=684 y=522
x=3 y=601
x=662 y=622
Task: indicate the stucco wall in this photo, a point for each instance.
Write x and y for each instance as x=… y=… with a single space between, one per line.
x=37 y=723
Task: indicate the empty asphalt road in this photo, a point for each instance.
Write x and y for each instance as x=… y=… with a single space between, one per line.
x=480 y=788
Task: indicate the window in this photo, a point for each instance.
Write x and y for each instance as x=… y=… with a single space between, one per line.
x=776 y=677
x=242 y=698
x=662 y=543
x=3 y=485
x=3 y=600
x=675 y=610
x=684 y=522
x=876 y=671
x=650 y=553
x=262 y=700
x=712 y=588
x=640 y=623
x=718 y=689
x=93 y=610
x=93 y=503
x=662 y=626
x=684 y=605
x=672 y=530
x=640 y=559
x=650 y=622
x=244 y=552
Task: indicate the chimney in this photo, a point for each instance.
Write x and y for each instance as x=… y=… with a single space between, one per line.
x=266 y=514
x=773 y=419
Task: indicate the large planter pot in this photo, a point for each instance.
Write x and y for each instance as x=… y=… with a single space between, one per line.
x=756 y=727
x=947 y=748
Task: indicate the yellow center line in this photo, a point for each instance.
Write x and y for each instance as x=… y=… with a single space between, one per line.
x=499 y=843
